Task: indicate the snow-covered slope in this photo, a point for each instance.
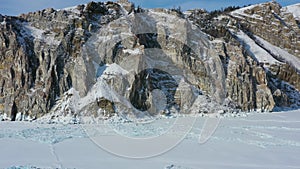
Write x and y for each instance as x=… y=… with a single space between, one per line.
x=279 y=53
x=294 y=9
x=265 y=52
x=246 y=11
x=243 y=12
x=260 y=54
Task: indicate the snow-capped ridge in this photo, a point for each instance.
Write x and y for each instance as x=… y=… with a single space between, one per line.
x=73 y=9
x=39 y=34
x=246 y=11
x=294 y=9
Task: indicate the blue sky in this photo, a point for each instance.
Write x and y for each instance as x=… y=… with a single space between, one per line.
x=16 y=7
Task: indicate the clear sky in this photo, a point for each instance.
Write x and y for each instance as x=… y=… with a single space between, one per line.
x=16 y=7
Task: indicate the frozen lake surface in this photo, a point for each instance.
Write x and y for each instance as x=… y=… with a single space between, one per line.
x=258 y=141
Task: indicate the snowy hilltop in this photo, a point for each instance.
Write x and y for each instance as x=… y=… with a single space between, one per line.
x=100 y=59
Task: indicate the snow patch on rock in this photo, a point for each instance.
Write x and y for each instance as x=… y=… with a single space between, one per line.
x=294 y=9
x=280 y=53
x=261 y=55
x=39 y=34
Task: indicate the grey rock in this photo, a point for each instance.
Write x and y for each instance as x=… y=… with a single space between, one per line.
x=46 y=53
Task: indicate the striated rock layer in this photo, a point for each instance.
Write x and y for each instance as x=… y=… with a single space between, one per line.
x=99 y=59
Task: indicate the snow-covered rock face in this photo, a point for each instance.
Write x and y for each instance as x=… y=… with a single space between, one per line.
x=266 y=19
x=273 y=30
x=294 y=9
x=139 y=54
x=259 y=48
x=100 y=59
x=38 y=55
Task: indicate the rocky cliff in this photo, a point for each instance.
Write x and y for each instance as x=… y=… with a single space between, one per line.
x=99 y=59
x=258 y=45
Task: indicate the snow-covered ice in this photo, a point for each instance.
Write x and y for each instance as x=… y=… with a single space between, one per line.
x=270 y=140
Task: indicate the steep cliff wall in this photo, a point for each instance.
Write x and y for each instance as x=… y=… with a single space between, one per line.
x=105 y=58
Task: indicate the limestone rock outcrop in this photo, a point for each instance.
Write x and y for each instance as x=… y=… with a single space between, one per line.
x=107 y=58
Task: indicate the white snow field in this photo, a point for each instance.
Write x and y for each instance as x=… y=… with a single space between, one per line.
x=255 y=141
